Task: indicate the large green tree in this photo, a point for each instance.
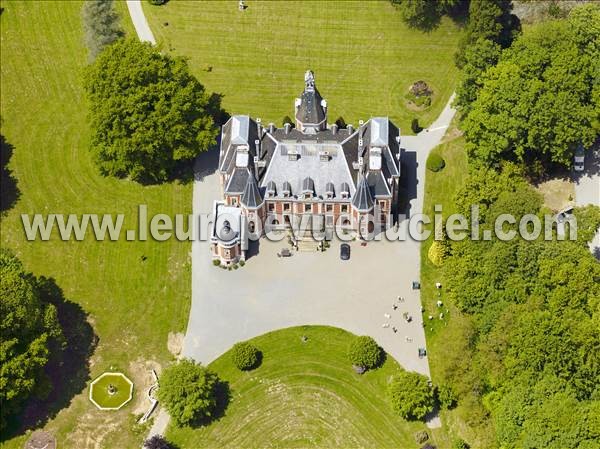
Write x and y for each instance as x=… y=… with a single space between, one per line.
x=541 y=100
x=411 y=395
x=148 y=112
x=189 y=392
x=30 y=335
x=490 y=28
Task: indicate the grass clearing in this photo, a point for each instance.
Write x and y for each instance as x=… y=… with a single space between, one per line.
x=304 y=394
x=132 y=302
x=364 y=57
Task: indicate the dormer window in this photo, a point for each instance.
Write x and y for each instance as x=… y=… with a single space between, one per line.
x=286 y=189
x=271 y=189
x=345 y=190
x=308 y=187
x=329 y=190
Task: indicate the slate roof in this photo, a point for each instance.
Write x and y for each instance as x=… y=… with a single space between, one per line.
x=238 y=180
x=310 y=110
x=251 y=198
x=378 y=186
x=362 y=199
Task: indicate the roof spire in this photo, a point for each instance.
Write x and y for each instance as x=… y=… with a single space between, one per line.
x=251 y=197
x=362 y=199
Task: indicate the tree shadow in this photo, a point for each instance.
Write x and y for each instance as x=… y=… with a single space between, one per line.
x=459 y=13
x=68 y=369
x=9 y=191
x=223 y=397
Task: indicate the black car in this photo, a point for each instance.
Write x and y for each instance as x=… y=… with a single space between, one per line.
x=344 y=251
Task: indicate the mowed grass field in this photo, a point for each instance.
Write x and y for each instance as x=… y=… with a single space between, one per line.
x=364 y=57
x=304 y=394
x=132 y=304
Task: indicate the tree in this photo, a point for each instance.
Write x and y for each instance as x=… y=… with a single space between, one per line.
x=157 y=442
x=188 y=392
x=424 y=14
x=148 y=112
x=364 y=352
x=100 y=25
x=31 y=335
x=245 y=356
x=476 y=59
x=287 y=119
x=588 y=222
x=489 y=20
x=411 y=395
x=536 y=104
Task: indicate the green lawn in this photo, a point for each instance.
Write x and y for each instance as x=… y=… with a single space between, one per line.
x=303 y=395
x=132 y=304
x=363 y=56
x=440 y=188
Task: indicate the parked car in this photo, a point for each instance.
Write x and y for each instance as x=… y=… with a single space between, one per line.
x=579 y=159
x=344 y=251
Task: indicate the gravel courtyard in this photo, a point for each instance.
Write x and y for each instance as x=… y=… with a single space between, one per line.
x=314 y=288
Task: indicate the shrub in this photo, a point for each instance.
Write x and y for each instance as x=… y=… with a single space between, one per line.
x=245 y=356
x=411 y=395
x=340 y=122
x=364 y=352
x=242 y=263
x=421 y=436
x=435 y=162
x=460 y=444
x=216 y=262
x=437 y=253
x=287 y=119
x=445 y=396
x=157 y=442
x=188 y=391
x=414 y=126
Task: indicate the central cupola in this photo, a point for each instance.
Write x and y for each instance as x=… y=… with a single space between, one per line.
x=311 y=108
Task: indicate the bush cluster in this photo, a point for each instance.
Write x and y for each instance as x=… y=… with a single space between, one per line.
x=364 y=352
x=435 y=162
x=245 y=356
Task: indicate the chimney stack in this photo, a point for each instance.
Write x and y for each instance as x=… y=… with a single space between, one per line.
x=287 y=127
x=271 y=128
x=350 y=129
x=334 y=129
x=257 y=145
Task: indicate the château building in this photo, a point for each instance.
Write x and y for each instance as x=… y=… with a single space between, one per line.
x=330 y=175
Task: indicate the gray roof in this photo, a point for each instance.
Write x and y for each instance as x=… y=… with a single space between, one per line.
x=310 y=110
x=240 y=125
x=335 y=170
x=362 y=199
x=377 y=184
x=379 y=131
x=238 y=180
x=251 y=198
